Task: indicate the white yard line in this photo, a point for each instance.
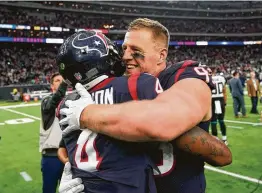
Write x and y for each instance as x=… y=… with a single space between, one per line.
x=231 y=105
x=24 y=114
x=21 y=105
x=242 y=122
x=235 y=127
x=26 y=176
x=233 y=174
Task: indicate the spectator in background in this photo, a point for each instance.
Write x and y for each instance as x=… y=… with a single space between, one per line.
x=51 y=135
x=27 y=63
x=243 y=79
x=15 y=94
x=237 y=93
x=260 y=76
x=253 y=88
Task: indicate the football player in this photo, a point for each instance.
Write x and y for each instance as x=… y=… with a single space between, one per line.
x=219 y=101
x=103 y=163
x=185 y=104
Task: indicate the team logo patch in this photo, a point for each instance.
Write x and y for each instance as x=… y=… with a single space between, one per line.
x=62 y=66
x=78 y=76
x=91 y=42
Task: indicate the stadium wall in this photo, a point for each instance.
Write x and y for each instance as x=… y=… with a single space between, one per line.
x=5 y=91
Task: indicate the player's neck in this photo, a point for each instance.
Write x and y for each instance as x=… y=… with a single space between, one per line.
x=95 y=82
x=160 y=69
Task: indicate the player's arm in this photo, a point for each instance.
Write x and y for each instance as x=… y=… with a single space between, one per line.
x=200 y=143
x=230 y=88
x=50 y=103
x=240 y=86
x=62 y=152
x=172 y=113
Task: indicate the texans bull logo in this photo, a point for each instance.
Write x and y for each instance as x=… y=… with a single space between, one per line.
x=95 y=42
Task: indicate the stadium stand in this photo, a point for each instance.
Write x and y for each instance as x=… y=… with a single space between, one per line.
x=198 y=21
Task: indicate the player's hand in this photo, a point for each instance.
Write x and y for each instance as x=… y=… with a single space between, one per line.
x=68 y=184
x=75 y=108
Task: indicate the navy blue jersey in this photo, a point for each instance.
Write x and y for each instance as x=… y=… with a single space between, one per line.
x=104 y=163
x=180 y=171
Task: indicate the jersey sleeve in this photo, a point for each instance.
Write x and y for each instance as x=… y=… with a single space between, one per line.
x=144 y=86
x=192 y=69
x=148 y=87
x=62 y=143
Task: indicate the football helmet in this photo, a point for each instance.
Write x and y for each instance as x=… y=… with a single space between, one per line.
x=87 y=55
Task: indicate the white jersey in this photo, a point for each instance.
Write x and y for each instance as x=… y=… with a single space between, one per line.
x=219 y=82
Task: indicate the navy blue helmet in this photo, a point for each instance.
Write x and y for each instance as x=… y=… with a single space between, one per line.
x=86 y=55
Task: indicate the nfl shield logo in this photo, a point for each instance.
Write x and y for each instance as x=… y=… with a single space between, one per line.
x=62 y=66
x=78 y=76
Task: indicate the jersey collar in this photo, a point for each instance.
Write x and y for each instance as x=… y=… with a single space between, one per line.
x=95 y=82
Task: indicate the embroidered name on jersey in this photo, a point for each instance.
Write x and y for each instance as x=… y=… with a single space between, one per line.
x=103 y=96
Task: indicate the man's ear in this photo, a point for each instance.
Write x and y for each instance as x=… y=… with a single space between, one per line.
x=163 y=55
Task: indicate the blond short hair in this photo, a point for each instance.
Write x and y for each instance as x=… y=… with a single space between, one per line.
x=159 y=31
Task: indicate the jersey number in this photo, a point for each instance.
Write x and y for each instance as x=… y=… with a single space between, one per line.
x=168 y=160
x=202 y=72
x=86 y=155
x=218 y=89
x=158 y=87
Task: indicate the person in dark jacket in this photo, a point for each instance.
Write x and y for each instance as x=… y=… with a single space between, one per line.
x=50 y=135
x=237 y=93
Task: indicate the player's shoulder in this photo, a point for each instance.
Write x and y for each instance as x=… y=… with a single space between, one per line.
x=138 y=78
x=142 y=79
x=178 y=68
x=183 y=70
x=141 y=85
x=220 y=78
x=146 y=77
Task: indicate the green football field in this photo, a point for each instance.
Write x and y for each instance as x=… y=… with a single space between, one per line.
x=19 y=131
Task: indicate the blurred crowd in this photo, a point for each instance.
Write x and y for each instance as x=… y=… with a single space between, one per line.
x=34 y=64
x=77 y=19
x=172 y=8
x=226 y=59
x=26 y=64
x=200 y=4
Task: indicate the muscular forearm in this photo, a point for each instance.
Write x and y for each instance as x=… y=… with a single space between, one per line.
x=119 y=121
x=198 y=142
x=62 y=155
x=160 y=119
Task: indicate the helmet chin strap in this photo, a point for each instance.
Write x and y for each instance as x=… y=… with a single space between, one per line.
x=94 y=82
